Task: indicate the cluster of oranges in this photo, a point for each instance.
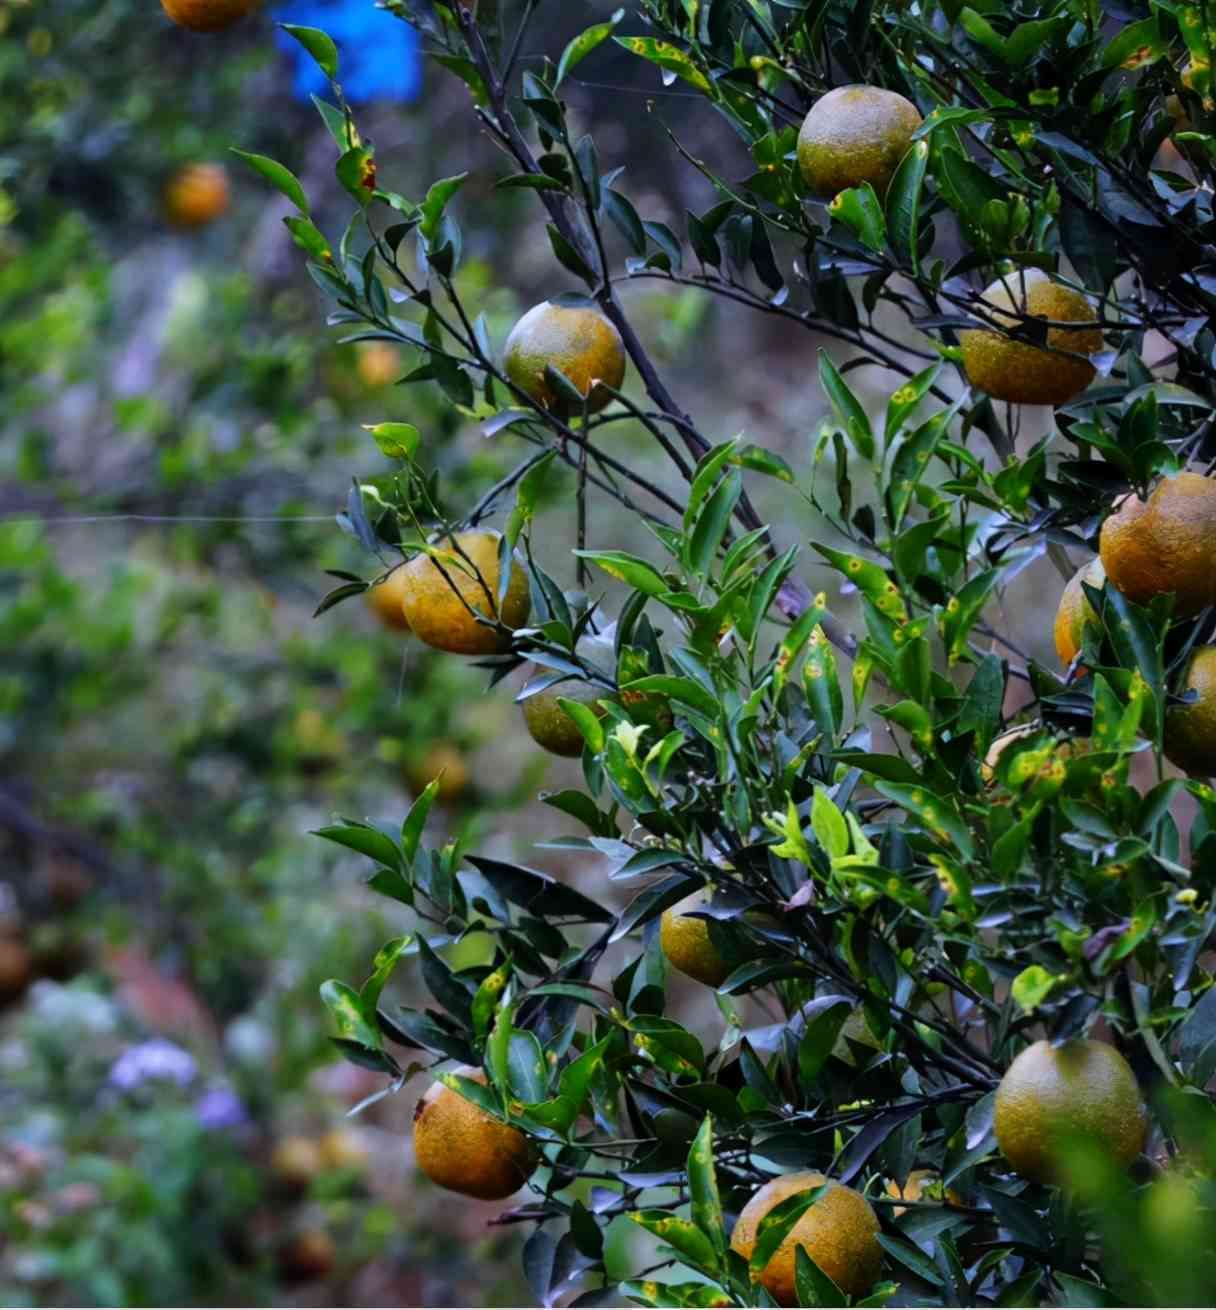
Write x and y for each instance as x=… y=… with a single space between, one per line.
x=449 y=595
x=1161 y=545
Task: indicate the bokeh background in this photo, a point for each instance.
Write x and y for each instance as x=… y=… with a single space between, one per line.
x=178 y=429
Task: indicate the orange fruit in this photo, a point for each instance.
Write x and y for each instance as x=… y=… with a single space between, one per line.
x=461 y=1147
x=444 y=761
x=839 y=1232
x=196 y=195
x=308 y=1254
x=1190 y=730
x=550 y=726
x=296 y=1161
x=579 y=341
x=207 y=15
x=385 y=600
x=1165 y=544
x=341 y=1148
x=1083 y=1087
x=853 y=135
x=16 y=968
x=1075 y=611
x=687 y=942
x=1019 y=371
x=377 y=363
x=441 y=591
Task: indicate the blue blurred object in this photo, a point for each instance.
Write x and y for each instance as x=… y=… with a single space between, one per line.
x=378 y=55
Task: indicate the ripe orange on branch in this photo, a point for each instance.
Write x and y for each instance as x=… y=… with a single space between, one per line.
x=577 y=340
x=839 y=1232
x=1075 y=611
x=853 y=135
x=196 y=195
x=444 y=594
x=1022 y=372
x=461 y=1147
x=1165 y=544
x=207 y=15
x=385 y=600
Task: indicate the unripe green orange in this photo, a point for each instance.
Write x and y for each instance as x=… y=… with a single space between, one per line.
x=854 y=135
x=1081 y=1088
x=1190 y=730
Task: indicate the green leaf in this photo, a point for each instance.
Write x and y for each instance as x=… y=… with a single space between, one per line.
x=583 y=44
x=669 y=57
x=486 y=998
x=568 y=257
x=587 y=721
x=468 y=73
x=365 y=839
x=396 y=440
x=822 y=1032
x=1032 y=987
x=434 y=206
x=281 y=178
x=870 y=579
x=526 y=1069
x=685 y=1237
x=812 y=1286
x=821 y=683
x=860 y=210
x=937 y=813
x=346 y=1009
x=963 y=611
x=356 y=170
x=847 y=408
x=531 y=182
x=319 y=45
x=684 y=690
x=703 y=1186
x=308 y=237
x=828 y=825
x=712 y=523
x=777 y=1225
x=627 y=568
x=903 y=207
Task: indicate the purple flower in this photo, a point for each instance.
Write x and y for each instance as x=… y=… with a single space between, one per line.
x=220 y=1108
x=156 y=1059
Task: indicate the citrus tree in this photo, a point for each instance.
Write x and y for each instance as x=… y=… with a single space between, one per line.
x=952 y=904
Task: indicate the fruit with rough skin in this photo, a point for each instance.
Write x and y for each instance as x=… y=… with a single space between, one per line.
x=1049 y=1093
x=1075 y=611
x=207 y=15
x=839 y=1232
x=441 y=591
x=687 y=942
x=1190 y=730
x=197 y=195
x=1022 y=372
x=550 y=726
x=444 y=761
x=853 y=135
x=461 y=1147
x=579 y=341
x=386 y=600
x=1165 y=544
